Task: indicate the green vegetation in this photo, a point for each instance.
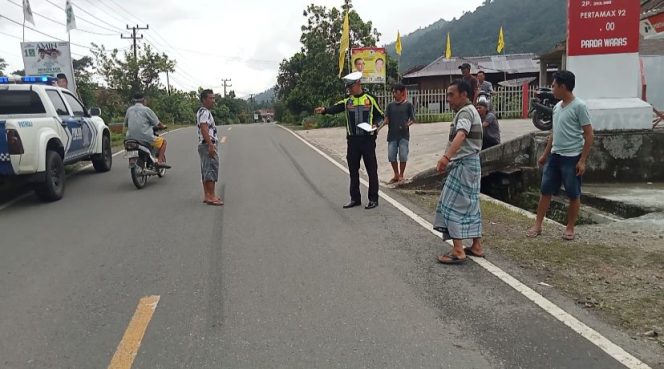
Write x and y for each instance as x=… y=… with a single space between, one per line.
x=529 y=26
x=310 y=77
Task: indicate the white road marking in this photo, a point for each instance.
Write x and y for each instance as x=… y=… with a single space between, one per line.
x=579 y=327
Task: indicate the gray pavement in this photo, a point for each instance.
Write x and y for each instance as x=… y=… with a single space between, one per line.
x=280 y=277
x=427 y=143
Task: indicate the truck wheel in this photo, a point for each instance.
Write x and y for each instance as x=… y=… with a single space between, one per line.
x=104 y=161
x=53 y=187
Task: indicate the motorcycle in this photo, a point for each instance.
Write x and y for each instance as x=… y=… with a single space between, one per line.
x=142 y=161
x=541 y=108
x=484 y=96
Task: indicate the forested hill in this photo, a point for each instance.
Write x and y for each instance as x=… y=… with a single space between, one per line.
x=529 y=26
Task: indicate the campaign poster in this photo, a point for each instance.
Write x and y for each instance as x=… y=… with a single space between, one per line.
x=50 y=58
x=372 y=62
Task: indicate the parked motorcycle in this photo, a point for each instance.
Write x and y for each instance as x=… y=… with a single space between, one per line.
x=484 y=96
x=541 y=108
x=142 y=162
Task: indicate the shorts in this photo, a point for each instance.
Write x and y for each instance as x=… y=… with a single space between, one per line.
x=400 y=147
x=561 y=170
x=209 y=165
x=158 y=142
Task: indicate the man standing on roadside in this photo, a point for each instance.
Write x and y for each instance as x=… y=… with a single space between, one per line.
x=207 y=148
x=566 y=152
x=361 y=110
x=484 y=85
x=399 y=116
x=458 y=214
x=472 y=81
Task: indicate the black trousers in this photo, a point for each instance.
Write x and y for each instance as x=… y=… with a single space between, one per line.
x=362 y=147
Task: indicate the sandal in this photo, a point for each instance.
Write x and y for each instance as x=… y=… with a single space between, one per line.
x=451 y=259
x=469 y=251
x=217 y=202
x=568 y=236
x=532 y=232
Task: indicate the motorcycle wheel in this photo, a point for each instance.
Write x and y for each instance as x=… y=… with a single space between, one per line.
x=140 y=180
x=542 y=121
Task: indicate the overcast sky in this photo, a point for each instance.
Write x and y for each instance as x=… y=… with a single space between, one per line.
x=211 y=39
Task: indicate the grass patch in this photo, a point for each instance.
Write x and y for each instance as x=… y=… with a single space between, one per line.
x=434 y=118
x=624 y=285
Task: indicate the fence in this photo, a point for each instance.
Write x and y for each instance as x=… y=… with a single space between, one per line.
x=431 y=105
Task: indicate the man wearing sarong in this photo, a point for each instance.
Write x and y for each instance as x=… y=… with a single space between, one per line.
x=458 y=214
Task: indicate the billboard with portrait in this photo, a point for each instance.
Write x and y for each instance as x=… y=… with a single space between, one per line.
x=49 y=58
x=371 y=61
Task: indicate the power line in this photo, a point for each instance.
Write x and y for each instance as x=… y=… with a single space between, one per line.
x=42 y=33
x=62 y=24
x=107 y=13
x=95 y=17
x=83 y=19
x=10 y=35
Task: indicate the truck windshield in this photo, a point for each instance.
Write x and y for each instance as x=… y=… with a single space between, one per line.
x=20 y=102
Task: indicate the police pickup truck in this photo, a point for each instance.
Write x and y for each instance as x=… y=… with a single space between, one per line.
x=42 y=129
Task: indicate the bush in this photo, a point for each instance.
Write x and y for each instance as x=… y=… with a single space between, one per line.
x=323 y=121
x=434 y=118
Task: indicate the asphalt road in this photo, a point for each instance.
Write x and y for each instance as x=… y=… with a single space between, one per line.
x=279 y=277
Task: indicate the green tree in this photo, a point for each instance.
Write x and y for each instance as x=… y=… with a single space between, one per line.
x=85 y=87
x=3 y=65
x=310 y=77
x=118 y=72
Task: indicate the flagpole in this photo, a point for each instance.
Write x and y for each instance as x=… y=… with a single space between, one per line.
x=23 y=26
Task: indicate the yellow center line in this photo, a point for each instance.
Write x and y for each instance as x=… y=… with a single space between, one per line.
x=131 y=341
x=223 y=140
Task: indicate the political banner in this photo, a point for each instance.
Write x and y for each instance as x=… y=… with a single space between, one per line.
x=49 y=58
x=372 y=62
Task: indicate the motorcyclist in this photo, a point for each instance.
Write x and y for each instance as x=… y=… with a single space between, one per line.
x=141 y=122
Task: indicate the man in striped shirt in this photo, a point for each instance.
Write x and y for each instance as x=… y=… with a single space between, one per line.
x=458 y=214
x=207 y=148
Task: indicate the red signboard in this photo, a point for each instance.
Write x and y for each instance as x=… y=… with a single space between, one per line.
x=657 y=22
x=603 y=27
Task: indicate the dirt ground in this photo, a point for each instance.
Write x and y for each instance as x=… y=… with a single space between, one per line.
x=618 y=274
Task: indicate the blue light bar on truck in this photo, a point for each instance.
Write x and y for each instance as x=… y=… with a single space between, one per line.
x=43 y=80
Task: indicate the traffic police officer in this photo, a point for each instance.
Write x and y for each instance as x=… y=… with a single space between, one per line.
x=360 y=107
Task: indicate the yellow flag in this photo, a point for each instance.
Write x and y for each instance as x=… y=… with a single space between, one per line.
x=501 y=41
x=398 y=44
x=345 y=41
x=448 y=49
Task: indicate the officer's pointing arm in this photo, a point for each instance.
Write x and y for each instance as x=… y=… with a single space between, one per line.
x=334 y=109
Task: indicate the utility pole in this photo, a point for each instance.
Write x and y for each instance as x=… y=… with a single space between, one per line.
x=135 y=37
x=251 y=108
x=226 y=83
x=168 y=84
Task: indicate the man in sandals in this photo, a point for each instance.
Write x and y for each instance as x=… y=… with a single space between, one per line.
x=566 y=152
x=207 y=148
x=458 y=214
x=399 y=116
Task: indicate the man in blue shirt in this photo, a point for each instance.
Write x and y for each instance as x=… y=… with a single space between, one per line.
x=566 y=152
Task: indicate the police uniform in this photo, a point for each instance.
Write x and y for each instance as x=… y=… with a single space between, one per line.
x=361 y=144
